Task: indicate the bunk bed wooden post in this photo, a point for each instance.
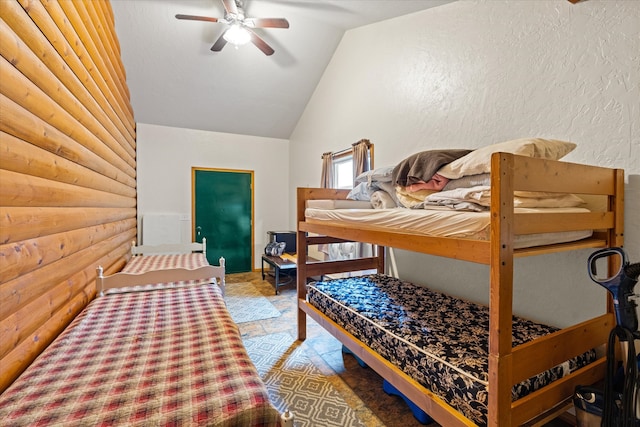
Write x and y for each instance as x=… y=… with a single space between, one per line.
x=615 y=236
x=301 y=274
x=381 y=255
x=617 y=206
x=501 y=291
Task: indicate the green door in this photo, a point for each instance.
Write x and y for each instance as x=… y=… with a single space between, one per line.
x=223 y=213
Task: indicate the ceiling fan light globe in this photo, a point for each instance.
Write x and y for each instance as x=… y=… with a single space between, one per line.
x=237 y=35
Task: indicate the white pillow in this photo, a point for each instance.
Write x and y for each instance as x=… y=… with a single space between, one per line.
x=479 y=161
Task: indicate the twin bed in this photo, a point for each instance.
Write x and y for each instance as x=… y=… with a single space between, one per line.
x=167 y=265
x=159 y=347
x=463 y=363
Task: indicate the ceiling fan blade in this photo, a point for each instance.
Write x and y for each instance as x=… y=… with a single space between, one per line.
x=196 y=18
x=230 y=6
x=261 y=44
x=219 y=44
x=267 y=22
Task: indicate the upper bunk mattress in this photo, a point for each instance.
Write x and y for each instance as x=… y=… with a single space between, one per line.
x=441 y=223
x=438 y=340
x=171 y=357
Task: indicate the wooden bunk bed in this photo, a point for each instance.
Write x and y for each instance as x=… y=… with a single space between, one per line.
x=507 y=364
x=158 y=347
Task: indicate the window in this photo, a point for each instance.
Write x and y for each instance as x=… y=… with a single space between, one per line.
x=339 y=169
x=343 y=171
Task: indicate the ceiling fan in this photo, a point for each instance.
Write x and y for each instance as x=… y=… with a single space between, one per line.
x=240 y=29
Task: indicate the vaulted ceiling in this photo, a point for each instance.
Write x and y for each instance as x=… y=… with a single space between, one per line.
x=176 y=80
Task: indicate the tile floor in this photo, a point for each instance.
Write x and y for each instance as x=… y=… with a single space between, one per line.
x=362 y=387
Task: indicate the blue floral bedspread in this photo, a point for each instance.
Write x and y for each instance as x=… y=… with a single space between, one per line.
x=438 y=340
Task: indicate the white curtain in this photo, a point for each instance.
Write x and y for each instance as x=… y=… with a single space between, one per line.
x=361 y=157
x=326 y=179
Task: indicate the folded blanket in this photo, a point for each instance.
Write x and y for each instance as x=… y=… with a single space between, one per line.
x=382 y=200
x=437 y=182
x=411 y=199
x=455 y=205
x=481 y=196
x=360 y=192
x=468 y=181
x=421 y=167
x=467 y=199
x=364 y=191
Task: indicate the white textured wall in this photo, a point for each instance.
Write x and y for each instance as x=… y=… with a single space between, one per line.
x=472 y=73
x=167 y=154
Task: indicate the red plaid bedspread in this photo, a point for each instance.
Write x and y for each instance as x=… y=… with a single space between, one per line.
x=144 y=263
x=168 y=357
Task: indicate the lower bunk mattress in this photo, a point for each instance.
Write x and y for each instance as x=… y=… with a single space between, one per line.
x=438 y=340
x=162 y=357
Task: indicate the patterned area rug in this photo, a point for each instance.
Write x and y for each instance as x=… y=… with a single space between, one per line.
x=296 y=384
x=247 y=304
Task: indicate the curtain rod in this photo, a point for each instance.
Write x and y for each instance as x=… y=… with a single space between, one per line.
x=346 y=150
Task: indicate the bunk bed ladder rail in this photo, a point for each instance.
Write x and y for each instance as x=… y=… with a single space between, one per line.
x=506 y=366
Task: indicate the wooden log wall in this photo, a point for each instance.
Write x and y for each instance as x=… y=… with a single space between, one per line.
x=67 y=168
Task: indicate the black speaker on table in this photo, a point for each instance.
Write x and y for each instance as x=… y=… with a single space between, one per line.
x=288 y=237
